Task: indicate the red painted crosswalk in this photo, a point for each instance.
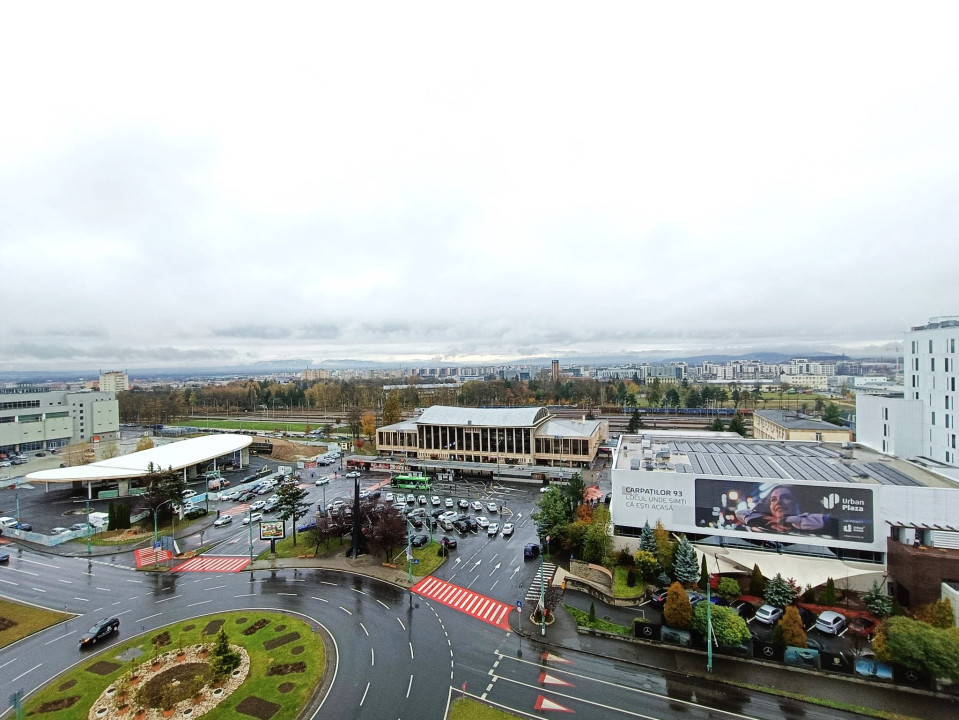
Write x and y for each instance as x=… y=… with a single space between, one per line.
x=149 y=556
x=459 y=598
x=208 y=563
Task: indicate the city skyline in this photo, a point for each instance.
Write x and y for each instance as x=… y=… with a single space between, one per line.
x=433 y=185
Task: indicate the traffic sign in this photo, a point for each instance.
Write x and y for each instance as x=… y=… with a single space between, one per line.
x=416 y=561
x=519 y=606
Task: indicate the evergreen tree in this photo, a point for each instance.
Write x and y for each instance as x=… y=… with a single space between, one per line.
x=792 y=628
x=646 y=564
x=111 y=517
x=224 y=659
x=647 y=540
x=779 y=593
x=678 y=611
x=685 y=567
x=737 y=425
x=829 y=594
x=717 y=425
x=635 y=422
x=757 y=583
x=877 y=602
x=291 y=503
x=703 y=574
x=665 y=547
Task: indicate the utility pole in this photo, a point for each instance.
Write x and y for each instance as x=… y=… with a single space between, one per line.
x=249 y=514
x=542 y=597
x=89 y=529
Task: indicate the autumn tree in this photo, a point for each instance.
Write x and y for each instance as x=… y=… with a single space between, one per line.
x=938 y=614
x=665 y=548
x=678 y=611
x=792 y=628
x=646 y=565
x=388 y=532
x=109 y=450
x=918 y=646
x=598 y=542
x=144 y=443
x=392 y=412
x=369 y=424
x=79 y=454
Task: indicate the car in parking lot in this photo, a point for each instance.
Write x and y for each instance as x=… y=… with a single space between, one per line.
x=390 y=498
x=449 y=543
x=58 y=530
x=416 y=522
x=354 y=474
x=244 y=496
x=102 y=629
x=477 y=506
x=435 y=500
x=482 y=521
x=461 y=526
x=308 y=525
x=80 y=526
x=271 y=504
x=531 y=551
x=257 y=504
x=831 y=623
x=449 y=515
x=464 y=503
x=252 y=518
x=195 y=512
x=41 y=454
x=25 y=526
x=411 y=498
x=448 y=502
x=4 y=557
x=223 y=520
x=421 y=499
x=187 y=494
x=658 y=598
x=419 y=540
x=491 y=507
x=6 y=522
x=230 y=495
x=769 y=614
x=508 y=529
x=744 y=609
x=492 y=529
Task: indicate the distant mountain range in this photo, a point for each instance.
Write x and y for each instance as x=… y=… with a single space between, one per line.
x=295 y=367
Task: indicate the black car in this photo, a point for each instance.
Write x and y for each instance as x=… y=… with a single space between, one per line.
x=471 y=524
x=449 y=543
x=102 y=629
x=4 y=557
x=437 y=512
x=419 y=540
x=531 y=551
x=416 y=522
x=744 y=609
x=23 y=526
x=659 y=598
x=461 y=526
x=808 y=618
x=195 y=512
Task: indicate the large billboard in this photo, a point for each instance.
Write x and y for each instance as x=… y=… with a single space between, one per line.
x=832 y=514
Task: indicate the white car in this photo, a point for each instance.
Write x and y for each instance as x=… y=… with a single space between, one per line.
x=477 y=506
x=223 y=520
x=231 y=495
x=449 y=515
x=271 y=504
x=258 y=505
x=492 y=529
x=436 y=500
x=491 y=506
x=464 y=503
x=482 y=521
x=507 y=529
x=449 y=502
x=390 y=498
x=7 y=522
x=354 y=474
x=421 y=499
x=411 y=498
x=254 y=517
x=324 y=480
x=187 y=494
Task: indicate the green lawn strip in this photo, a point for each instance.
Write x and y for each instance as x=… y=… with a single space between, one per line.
x=620 y=588
x=463 y=708
x=88 y=685
x=182 y=528
x=427 y=556
x=582 y=618
x=26 y=620
x=835 y=704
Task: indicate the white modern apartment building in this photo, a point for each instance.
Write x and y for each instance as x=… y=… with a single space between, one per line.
x=114 y=381
x=920 y=423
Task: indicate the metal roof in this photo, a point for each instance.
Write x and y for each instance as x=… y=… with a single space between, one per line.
x=176 y=455
x=796 y=421
x=566 y=427
x=483 y=417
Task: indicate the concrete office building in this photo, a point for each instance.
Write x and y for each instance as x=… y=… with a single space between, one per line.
x=35 y=418
x=114 y=381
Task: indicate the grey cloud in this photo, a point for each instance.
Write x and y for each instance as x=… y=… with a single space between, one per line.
x=319 y=331
x=255 y=332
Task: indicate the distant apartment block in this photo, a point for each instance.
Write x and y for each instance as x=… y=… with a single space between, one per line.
x=310 y=375
x=114 y=381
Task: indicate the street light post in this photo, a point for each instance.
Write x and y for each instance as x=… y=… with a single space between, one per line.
x=542 y=597
x=409 y=551
x=249 y=514
x=155 y=511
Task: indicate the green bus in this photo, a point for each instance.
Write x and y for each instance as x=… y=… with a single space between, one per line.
x=412 y=482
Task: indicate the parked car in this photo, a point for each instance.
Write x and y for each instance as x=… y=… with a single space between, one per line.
x=58 y=530
x=416 y=522
x=6 y=522
x=79 y=526
x=658 y=598
x=477 y=506
x=492 y=530
x=744 y=609
x=831 y=623
x=531 y=551
x=768 y=614
x=41 y=454
x=271 y=504
x=435 y=500
x=410 y=498
x=252 y=518
x=230 y=495
x=461 y=526
x=187 y=494
x=102 y=629
x=421 y=499
x=4 y=557
x=223 y=520
x=449 y=502
x=257 y=504
x=449 y=543
x=482 y=521
x=195 y=512
x=464 y=503
x=508 y=529
x=419 y=540
x=354 y=474
x=389 y=497
x=491 y=507
x=309 y=525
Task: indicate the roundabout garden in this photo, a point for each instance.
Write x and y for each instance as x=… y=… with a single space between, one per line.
x=256 y=664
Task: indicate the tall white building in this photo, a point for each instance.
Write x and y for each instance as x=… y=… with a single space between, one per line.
x=922 y=423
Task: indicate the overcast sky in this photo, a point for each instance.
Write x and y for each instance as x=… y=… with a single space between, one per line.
x=207 y=184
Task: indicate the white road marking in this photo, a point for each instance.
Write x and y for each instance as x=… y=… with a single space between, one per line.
x=365 y=630
x=409 y=687
x=345 y=610
x=202 y=602
x=364 y=694
x=148 y=617
x=401 y=623
x=26 y=673
x=172 y=597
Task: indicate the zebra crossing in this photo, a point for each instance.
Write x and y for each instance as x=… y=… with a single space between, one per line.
x=149 y=556
x=208 y=563
x=532 y=595
x=466 y=601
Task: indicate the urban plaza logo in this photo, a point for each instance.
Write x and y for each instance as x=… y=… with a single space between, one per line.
x=834 y=500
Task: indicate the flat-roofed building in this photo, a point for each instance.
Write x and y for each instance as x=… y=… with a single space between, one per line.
x=114 y=381
x=794 y=425
x=35 y=418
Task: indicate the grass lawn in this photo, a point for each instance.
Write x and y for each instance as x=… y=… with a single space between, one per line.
x=283 y=644
x=18 y=621
x=582 y=618
x=464 y=708
x=621 y=589
x=304 y=546
x=428 y=559
x=261 y=425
